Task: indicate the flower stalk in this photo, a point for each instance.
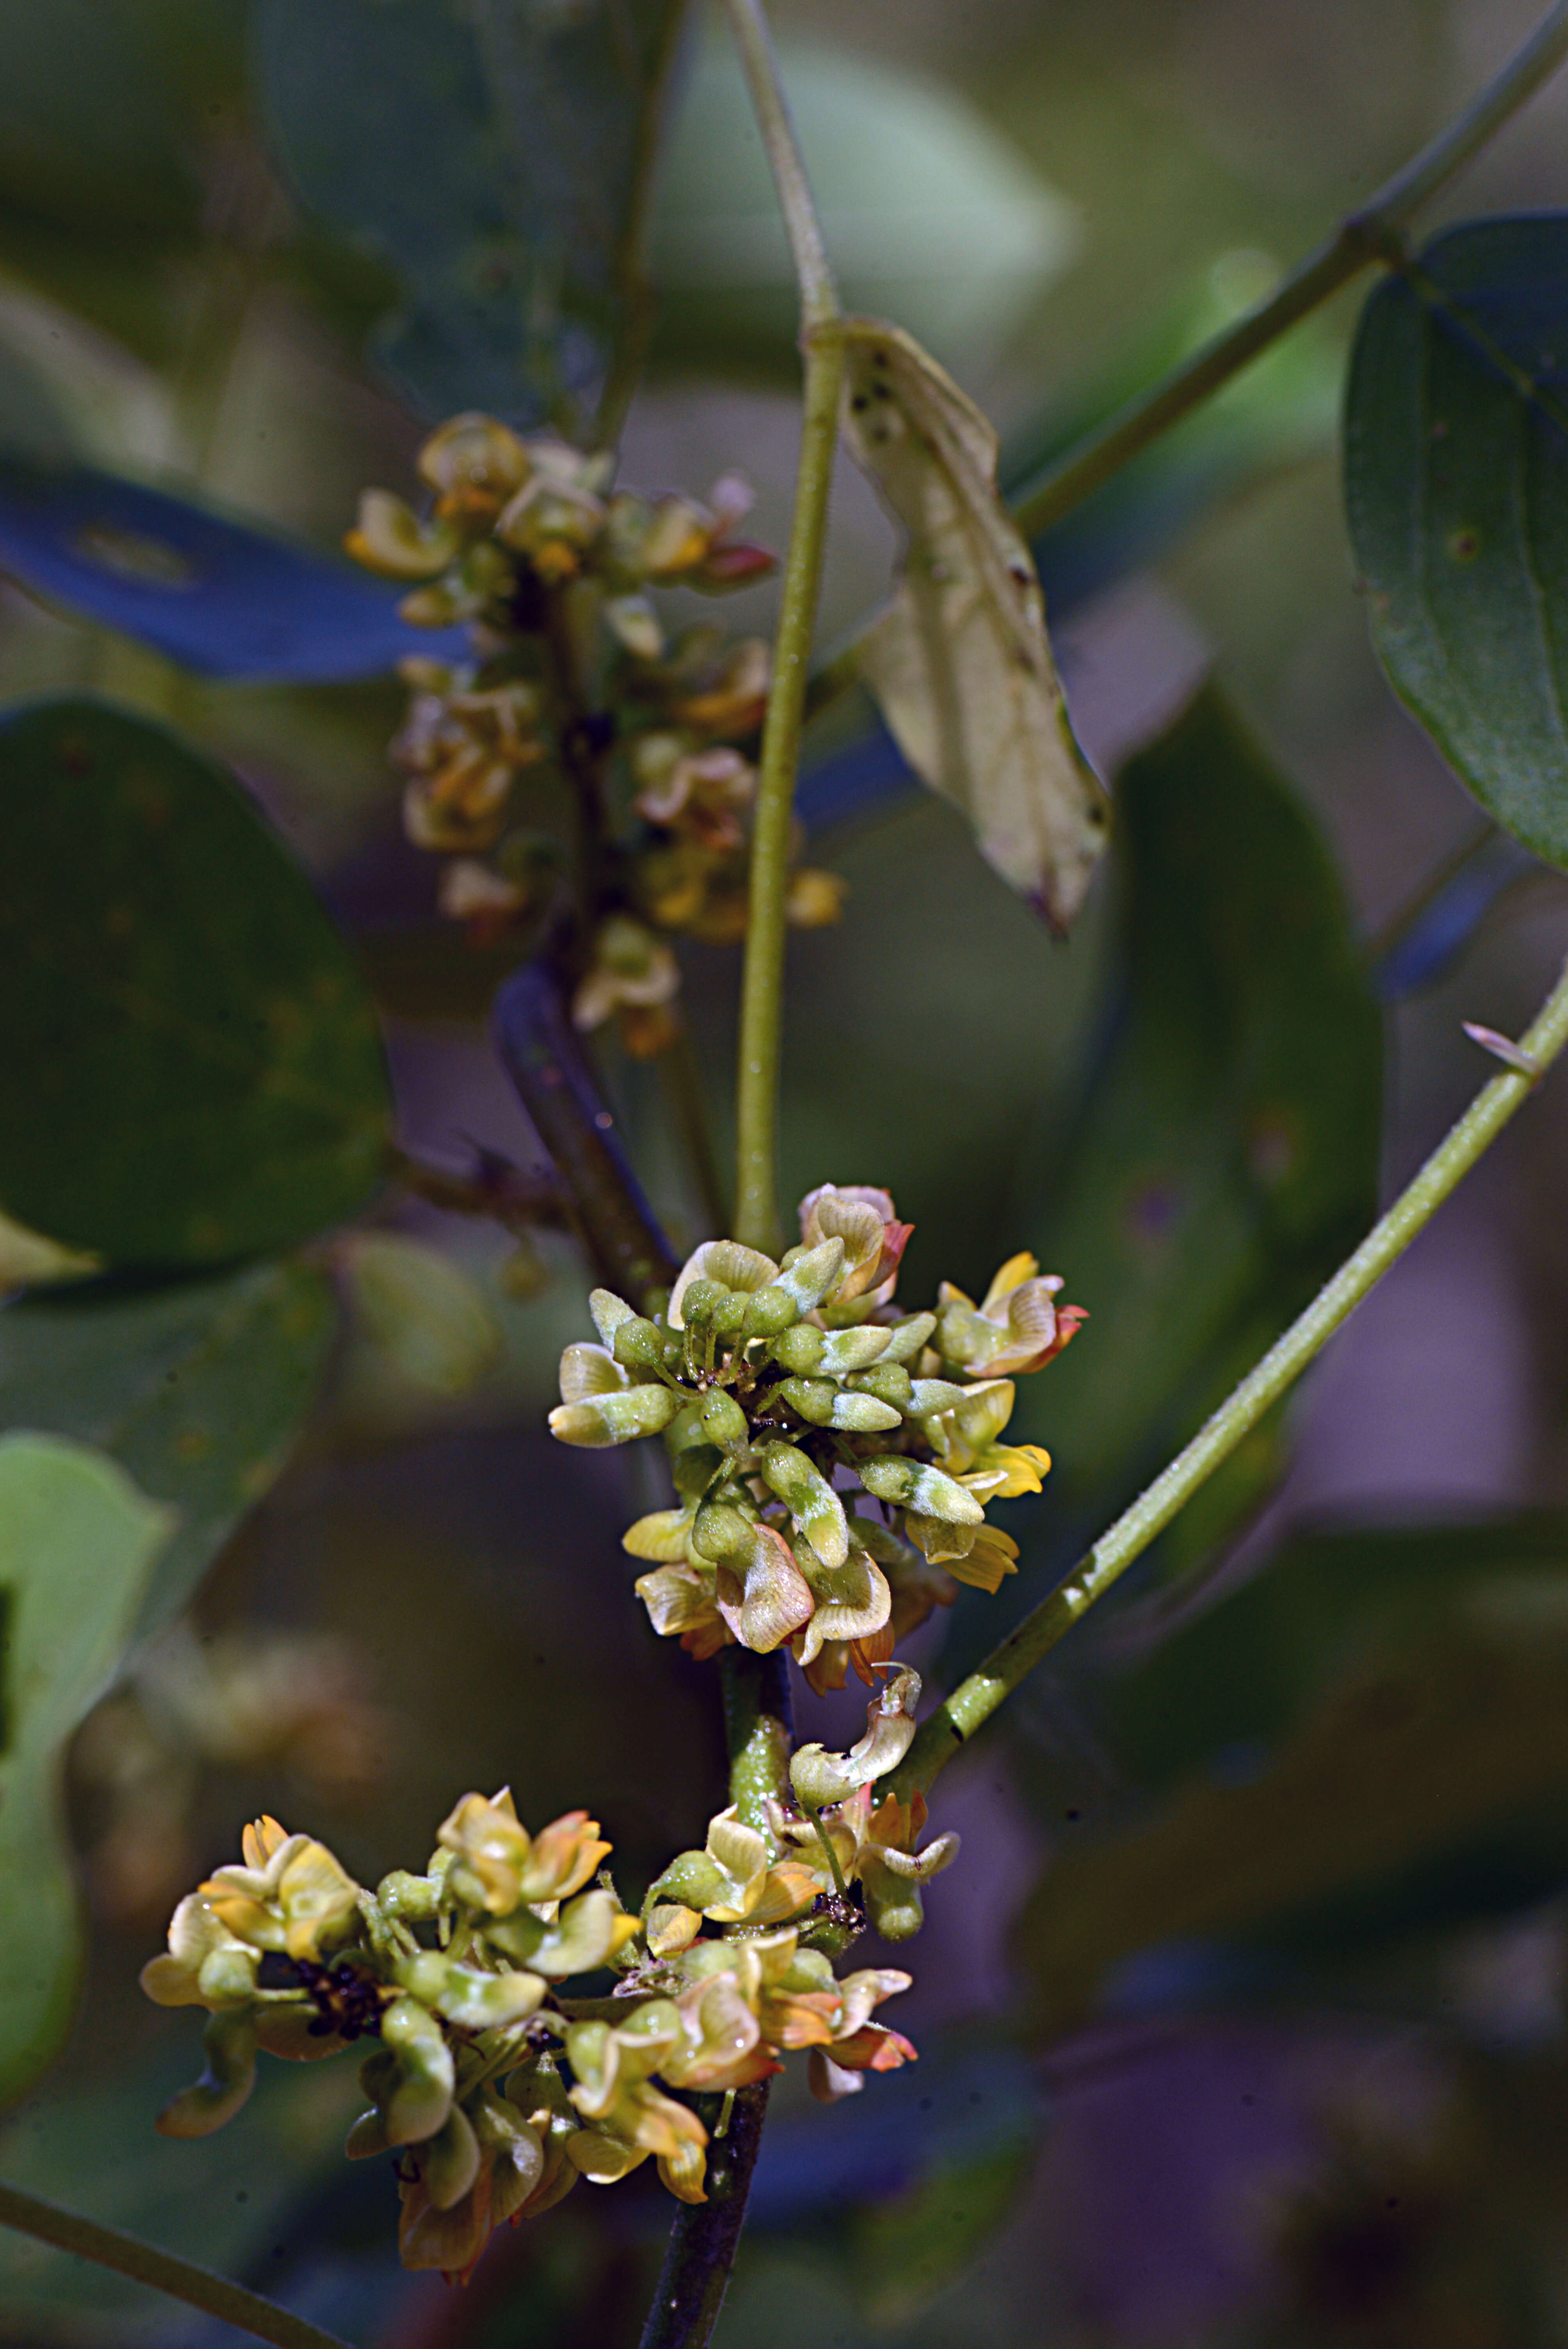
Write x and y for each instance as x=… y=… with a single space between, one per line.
x=128 y=2255
x=761 y=1006
x=976 y=1699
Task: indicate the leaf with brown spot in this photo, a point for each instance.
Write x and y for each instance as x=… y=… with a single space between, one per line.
x=960 y=662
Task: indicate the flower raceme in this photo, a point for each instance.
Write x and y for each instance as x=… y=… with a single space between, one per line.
x=787 y=1393
x=491 y=2089
x=550 y=568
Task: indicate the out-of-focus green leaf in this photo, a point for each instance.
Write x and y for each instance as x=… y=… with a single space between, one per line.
x=1378 y=1708
x=77 y=1542
x=104 y=105
x=198 y=1389
x=904 y=2250
x=1456 y=467
x=429 y=1315
x=493 y=154
x=1225 y=1156
x=931 y=216
x=189 y=1067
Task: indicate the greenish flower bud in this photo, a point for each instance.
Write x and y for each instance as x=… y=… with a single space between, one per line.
x=813 y=1274
x=422 y=2097
x=229 y=2044
x=910 y=1486
x=769 y=1312
x=701 y=1302
x=932 y=1396
x=889 y=1382
x=409 y=1899
x=610 y=1313
x=638 y=1345
x=853 y=1349
x=826 y=1405
x=228 y=1977
x=810 y=1499
x=800 y=1348
x=812 y=1398
x=425 y=1977
x=614 y=1418
x=672 y=1347
x=722 y=1532
x=724 y=1422
x=894 y=1907
x=728 y=1315
x=863 y=1415
x=907 y=1338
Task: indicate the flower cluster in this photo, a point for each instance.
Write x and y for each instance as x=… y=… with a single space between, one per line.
x=574 y=683
x=492 y=2090
x=783 y=1390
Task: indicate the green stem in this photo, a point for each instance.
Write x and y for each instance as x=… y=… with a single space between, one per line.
x=1371 y=233
x=128 y=2255
x=758 y=1730
x=975 y=1698
x=762 y=987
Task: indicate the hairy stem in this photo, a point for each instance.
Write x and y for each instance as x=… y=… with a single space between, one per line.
x=762 y=987
x=975 y=1698
x=128 y=2255
x=1369 y=234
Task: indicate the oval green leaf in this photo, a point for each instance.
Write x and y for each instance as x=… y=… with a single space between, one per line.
x=1456 y=475
x=78 y=1544
x=190 y=1065
x=1225 y=1158
x=197 y=1389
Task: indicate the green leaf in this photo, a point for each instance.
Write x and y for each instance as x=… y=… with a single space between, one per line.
x=429 y=1315
x=494 y=156
x=189 y=1066
x=1225 y=1158
x=1377 y=1728
x=1455 y=472
x=197 y=1389
x=904 y=2250
x=77 y=1543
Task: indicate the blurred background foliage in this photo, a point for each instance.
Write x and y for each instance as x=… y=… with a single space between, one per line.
x=1243 y=2021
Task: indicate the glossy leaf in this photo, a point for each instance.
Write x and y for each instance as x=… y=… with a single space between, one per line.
x=77 y=1543
x=1225 y=1156
x=189 y=1067
x=1456 y=467
x=491 y=156
x=197 y=1389
x=1380 y=1715
x=217 y=595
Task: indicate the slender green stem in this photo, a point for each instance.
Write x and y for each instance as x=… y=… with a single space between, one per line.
x=1371 y=233
x=813 y=273
x=762 y=987
x=975 y=1698
x=128 y=2255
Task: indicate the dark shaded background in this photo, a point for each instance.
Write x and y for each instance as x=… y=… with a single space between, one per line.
x=1349 y=2127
